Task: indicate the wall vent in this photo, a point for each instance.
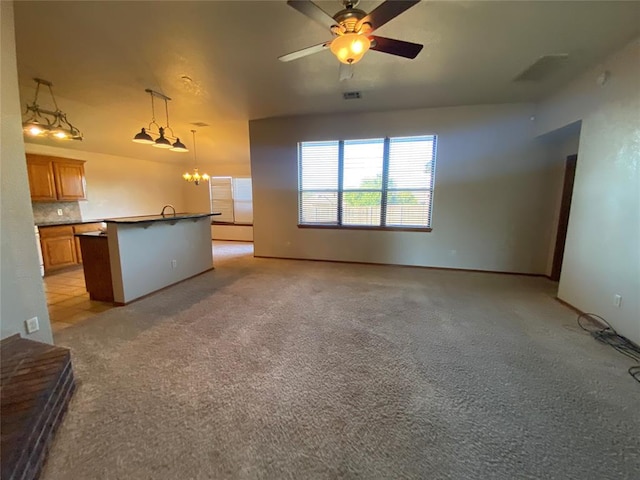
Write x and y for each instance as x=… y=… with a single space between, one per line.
x=351 y=95
x=200 y=124
x=542 y=68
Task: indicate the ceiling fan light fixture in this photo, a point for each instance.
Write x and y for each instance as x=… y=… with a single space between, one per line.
x=352 y=31
x=350 y=47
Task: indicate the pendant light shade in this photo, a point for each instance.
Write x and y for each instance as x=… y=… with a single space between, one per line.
x=143 y=137
x=178 y=146
x=163 y=139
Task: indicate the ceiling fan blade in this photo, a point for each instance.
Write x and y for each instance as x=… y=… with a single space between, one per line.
x=395 y=47
x=305 y=51
x=311 y=10
x=386 y=11
x=346 y=71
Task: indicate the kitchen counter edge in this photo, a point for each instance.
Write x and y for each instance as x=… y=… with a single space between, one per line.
x=159 y=218
x=67 y=222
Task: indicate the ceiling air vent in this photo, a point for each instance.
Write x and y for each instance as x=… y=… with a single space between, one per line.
x=200 y=124
x=351 y=95
x=542 y=68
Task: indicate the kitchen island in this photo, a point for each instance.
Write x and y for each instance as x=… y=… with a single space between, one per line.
x=148 y=253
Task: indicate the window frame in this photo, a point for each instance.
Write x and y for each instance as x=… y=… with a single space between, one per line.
x=385 y=190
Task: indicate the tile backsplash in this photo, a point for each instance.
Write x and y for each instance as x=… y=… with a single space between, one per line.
x=44 y=212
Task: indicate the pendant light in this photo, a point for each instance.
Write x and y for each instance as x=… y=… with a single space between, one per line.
x=195 y=176
x=163 y=139
x=51 y=123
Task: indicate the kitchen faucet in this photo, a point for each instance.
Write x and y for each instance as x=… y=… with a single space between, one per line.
x=172 y=208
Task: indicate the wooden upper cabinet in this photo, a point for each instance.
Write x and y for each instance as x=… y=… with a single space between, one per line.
x=69 y=177
x=41 y=182
x=55 y=179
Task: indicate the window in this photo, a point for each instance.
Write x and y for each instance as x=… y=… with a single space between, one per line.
x=373 y=183
x=233 y=198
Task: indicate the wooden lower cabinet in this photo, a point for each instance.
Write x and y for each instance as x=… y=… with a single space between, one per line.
x=60 y=248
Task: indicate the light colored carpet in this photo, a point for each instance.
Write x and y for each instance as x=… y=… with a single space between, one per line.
x=281 y=369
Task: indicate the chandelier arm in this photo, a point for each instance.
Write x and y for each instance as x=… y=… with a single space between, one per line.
x=71 y=127
x=34 y=105
x=53 y=98
x=37 y=91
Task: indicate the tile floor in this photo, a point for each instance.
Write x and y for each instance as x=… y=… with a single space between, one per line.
x=68 y=300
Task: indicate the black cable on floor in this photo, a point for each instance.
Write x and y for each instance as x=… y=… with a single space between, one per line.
x=605 y=333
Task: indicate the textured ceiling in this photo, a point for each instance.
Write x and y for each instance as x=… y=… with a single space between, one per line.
x=102 y=55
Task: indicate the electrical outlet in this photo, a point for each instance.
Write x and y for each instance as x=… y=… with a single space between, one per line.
x=59 y=212
x=174 y=263
x=32 y=325
x=617 y=300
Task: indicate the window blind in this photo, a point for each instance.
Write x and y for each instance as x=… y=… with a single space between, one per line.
x=221 y=198
x=410 y=181
x=362 y=186
x=381 y=182
x=242 y=201
x=318 y=182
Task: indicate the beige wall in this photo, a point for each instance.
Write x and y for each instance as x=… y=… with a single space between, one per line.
x=22 y=291
x=602 y=254
x=492 y=207
x=121 y=186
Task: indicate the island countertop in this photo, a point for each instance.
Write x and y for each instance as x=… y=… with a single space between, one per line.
x=170 y=217
x=59 y=223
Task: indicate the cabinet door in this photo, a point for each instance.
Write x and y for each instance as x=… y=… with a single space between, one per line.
x=70 y=182
x=58 y=252
x=41 y=183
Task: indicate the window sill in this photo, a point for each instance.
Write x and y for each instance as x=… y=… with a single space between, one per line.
x=364 y=227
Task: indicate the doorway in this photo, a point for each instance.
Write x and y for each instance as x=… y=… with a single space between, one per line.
x=563 y=221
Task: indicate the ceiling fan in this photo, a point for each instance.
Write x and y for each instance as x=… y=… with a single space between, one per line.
x=352 y=30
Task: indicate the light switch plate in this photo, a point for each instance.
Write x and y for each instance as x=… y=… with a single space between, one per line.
x=32 y=325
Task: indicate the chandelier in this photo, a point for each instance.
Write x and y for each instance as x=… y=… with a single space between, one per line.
x=163 y=139
x=49 y=123
x=195 y=176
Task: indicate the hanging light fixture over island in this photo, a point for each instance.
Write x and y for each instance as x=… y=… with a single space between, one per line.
x=195 y=176
x=163 y=140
